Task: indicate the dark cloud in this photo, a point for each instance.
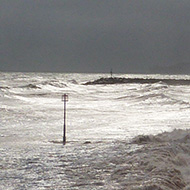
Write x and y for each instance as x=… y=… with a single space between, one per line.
x=95 y=35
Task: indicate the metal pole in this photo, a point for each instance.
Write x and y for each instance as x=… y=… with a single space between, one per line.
x=111 y=73
x=65 y=99
x=64 y=127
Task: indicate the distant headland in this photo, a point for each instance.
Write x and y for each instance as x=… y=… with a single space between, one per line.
x=119 y=80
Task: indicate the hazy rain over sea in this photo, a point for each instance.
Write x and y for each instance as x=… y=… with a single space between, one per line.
x=103 y=149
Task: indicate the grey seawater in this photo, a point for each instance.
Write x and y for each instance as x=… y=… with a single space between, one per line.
x=103 y=121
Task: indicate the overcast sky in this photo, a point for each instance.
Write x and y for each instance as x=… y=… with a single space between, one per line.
x=129 y=36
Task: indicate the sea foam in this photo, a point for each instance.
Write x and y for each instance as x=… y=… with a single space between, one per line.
x=162 y=162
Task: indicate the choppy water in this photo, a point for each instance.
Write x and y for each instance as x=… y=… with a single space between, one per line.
x=101 y=121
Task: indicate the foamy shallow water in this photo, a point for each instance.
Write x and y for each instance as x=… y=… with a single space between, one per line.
x=101 y=121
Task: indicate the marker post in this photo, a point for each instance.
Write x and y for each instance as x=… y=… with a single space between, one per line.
x=64 y=99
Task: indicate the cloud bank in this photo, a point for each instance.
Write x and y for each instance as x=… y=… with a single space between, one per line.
x=94 y=36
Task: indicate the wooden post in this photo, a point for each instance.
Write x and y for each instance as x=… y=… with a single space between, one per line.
x=64 y=99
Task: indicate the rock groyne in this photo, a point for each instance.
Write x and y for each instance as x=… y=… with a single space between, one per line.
x=119 y=80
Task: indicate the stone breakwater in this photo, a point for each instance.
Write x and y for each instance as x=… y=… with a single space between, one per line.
x=119 y=80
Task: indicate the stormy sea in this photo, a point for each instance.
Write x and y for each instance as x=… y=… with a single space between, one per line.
x=133 y=135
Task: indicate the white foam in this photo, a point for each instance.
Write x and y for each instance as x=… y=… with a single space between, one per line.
x=107 y=116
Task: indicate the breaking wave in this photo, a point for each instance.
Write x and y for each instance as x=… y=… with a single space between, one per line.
x=162 y=163
x=32 y=86
x=4 y=87
x=158 y=93
x=41 y=85
x=54 y=83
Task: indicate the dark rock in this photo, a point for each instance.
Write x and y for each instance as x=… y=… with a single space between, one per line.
x=119 y=80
